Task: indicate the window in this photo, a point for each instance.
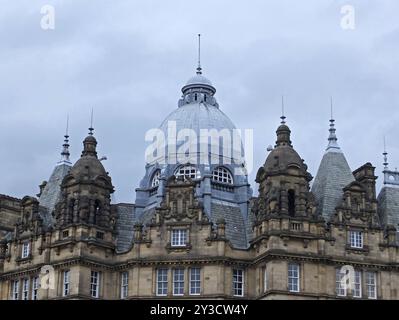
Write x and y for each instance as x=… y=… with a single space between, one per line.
x=15 y=290
x=371 y=283
x=178 y=282
x=187 y=171
x=94 y=284
x=340 y=288
x=65 y=234
x=162 y=282
x=357 y=285
x=179 y=237
x=155 y=178
x=356 y=239
x=293 y=277
x=221 y=174
x=25 y=289
x=65 y=285
x=25 y=250
x=291 y=202
x=35 y=288
x=238 y=282
x=100 y=235
x=195 y=281
x=124 y=284
x=264 y=279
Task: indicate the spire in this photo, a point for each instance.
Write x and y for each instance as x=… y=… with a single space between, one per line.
x=91 y=129
x=385 y=154
x=332 y=138
x=199 y=69
x=282 y=111
x=90 y=142
x=65 y=147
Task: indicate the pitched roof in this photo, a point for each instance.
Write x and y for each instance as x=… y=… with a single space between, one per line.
x=332 y=176
x=388 y=206
x=236 y=226
x=125 y=226
x=52 y=191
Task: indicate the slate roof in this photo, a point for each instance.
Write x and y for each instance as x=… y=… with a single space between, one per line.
x=52 y=191
x=388 y=206
x=236 y=226
x=124 y=226
x=332 y=176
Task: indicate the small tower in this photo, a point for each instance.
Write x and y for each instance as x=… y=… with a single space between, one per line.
x=86 y=194
x=284 y=180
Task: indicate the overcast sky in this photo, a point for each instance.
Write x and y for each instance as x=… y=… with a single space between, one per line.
x=129 y=60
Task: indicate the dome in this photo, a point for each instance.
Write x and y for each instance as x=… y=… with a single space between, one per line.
x=199 y=83
x=88 y=166
x=199 y=79
x=281 y=157
x=198 y=116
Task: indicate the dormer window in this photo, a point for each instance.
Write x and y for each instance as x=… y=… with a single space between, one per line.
x=155 y=179
x=179 y=238
x=187 y=171
x=356 y=239
x=222 y=175
x=25 y=250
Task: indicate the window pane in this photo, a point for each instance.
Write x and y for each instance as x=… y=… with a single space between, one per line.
x=195 y=281
x=162 y=282
x=293 y=277
x=238 y=282
x=178 y=281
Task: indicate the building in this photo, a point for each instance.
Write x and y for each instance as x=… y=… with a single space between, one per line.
x=196 y=231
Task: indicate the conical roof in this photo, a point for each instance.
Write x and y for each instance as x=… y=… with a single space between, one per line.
x=332 y=176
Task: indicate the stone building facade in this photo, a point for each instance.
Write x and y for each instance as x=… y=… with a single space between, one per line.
x=197 y=232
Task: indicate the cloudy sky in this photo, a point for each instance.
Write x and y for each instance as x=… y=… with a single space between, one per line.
x=129 y=60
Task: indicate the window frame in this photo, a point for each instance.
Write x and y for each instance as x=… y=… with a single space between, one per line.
x=297 y=278
x=265 y=287
x=25 y=250
x=339 y=291
x=189 y=171
x=238 y=282
x=35 y=288
x=66 y=280
x=15 y=290
x=155 y=178
x=95 y=286
x=25 y=288
x=356 y=239
x=124 y=284
x=162 y=283
x=222 y=175
x=196 y=280
x=178 y=282
x=357 y=281
x=176 y=237
x=371 y=285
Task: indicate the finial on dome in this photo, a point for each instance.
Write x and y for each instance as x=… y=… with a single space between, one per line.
x=332 y=138
x=199 y=69
x=65 y=147
x=91 y=129
x=282 y=111
x=385 y=154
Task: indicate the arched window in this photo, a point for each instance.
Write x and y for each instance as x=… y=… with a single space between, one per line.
x=155 y=178
x=97 y=208
x=291 y=202
x=223 y=175
x=187 y=171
